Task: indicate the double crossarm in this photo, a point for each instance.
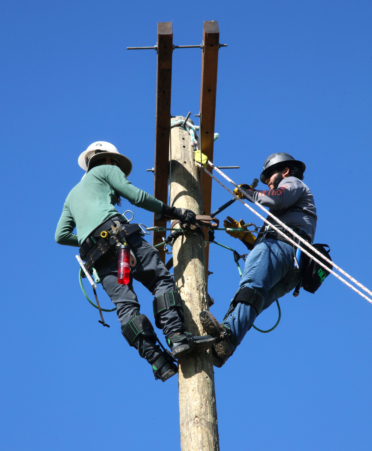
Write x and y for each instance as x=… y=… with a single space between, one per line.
x=210 y=48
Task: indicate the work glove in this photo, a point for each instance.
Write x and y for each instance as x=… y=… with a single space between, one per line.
x=200 y=158
x=246 y=237
x=182 y=214
x=244 y=187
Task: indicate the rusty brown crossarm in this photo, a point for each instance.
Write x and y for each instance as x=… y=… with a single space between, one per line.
x=163 y=119
x=208 y=95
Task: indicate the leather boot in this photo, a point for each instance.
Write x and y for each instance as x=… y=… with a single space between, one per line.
x=223 y=348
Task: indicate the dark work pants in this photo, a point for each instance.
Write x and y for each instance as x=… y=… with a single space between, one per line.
x=153 y=274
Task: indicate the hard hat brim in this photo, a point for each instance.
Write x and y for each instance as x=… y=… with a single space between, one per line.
x=124 y=163
x=83 y=158
x=301 y=166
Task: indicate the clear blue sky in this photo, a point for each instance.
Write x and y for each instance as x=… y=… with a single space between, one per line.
x=295 y=77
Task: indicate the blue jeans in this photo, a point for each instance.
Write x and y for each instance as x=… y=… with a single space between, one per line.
x=269 y=269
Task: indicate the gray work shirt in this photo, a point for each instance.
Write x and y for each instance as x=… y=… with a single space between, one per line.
x=292 y=202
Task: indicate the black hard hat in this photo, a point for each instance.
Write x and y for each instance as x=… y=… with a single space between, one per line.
x=277 y=158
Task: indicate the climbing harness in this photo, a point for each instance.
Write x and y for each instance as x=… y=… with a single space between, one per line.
x=104 y=238
x=294 y=234
x=100 y=245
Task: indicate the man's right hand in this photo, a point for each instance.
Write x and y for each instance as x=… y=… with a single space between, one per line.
x=184 y=215
x=243 y=187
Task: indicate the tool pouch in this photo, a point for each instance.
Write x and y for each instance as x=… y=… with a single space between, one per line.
x=95 y=247
x=314 y=274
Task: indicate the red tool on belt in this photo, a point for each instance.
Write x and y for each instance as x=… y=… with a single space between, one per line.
x=124 y=264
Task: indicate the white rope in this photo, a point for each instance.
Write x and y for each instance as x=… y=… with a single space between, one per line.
x=297 y=236
x=287 y=238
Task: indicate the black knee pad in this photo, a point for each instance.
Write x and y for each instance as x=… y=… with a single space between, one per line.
x=137 y=326
x=167 y=301
x=248 y=296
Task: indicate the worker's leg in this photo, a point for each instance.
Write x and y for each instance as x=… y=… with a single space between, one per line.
x=284 y=286
x=269 y=262
x=152 y=273
x=136 y=328
x=127 y=306
x=269 y=265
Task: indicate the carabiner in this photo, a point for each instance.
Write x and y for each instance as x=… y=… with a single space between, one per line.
x=144 y=229
x=166 y=247
x=256 y=229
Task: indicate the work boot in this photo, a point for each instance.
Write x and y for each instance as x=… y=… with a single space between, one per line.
x=164 y=366
x=184 y=343
x=223 y=347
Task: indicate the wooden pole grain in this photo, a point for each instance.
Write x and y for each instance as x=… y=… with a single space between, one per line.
x=197 y=400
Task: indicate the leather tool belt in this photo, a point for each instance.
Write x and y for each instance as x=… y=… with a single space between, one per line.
x=104 y=238
x=264 y=233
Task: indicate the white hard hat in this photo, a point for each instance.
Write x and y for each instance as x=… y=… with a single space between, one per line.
x=103 y=149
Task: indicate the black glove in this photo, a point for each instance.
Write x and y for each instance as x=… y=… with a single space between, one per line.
x=185 y=215
x=182 y=214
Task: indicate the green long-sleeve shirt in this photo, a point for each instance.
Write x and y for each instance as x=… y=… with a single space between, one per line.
x=92 y=201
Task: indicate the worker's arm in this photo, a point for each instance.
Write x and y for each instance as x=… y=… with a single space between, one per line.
x=136 y=196
x=65 y=226
x=117 y=180
x=287 y=194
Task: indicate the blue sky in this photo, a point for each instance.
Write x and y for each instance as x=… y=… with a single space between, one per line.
x=295 y=77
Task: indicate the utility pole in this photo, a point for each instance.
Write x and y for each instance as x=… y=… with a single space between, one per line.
x=197 y=400
x=198 y=415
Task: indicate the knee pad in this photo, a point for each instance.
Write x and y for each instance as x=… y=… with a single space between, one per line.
x=137 y=326
x=167 y=301
x=249 y=296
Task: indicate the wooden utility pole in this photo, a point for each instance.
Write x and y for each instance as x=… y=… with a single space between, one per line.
x=198 y=415
x=197 y=400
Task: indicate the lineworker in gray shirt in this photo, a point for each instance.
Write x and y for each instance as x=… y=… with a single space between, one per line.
x=100 y=229
x=271 y=269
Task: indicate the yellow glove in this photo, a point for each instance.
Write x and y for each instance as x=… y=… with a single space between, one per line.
x=239 y=193
x=247 y=237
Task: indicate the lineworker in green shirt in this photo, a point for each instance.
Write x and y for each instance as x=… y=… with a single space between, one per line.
x=90 y=207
